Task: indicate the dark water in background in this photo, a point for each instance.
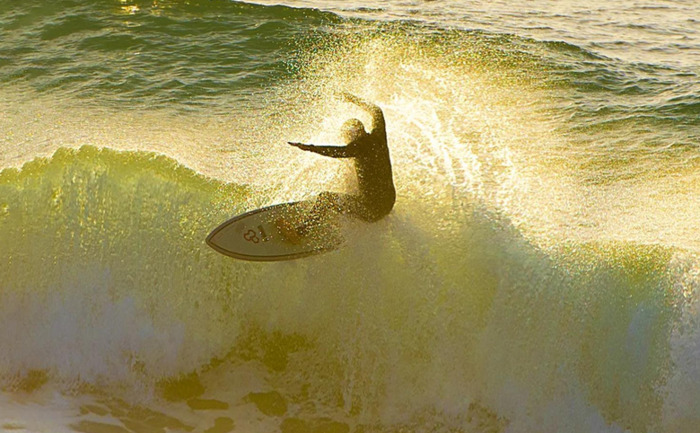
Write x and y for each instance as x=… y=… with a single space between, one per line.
x=539 y=273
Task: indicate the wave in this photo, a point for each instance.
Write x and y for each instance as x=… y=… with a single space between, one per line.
x=477 y=302
x=152 y=54
x=204 y=55
x=426 y=318
x=101 y=249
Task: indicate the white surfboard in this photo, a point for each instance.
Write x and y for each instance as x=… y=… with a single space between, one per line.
x=268 y=234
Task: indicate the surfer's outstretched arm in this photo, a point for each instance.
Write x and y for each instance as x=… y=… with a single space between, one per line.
x=332 y=151
x=376 y=112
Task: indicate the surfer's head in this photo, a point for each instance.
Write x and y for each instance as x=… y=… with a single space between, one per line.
x=352 y=130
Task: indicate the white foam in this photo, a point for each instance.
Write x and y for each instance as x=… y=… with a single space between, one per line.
x=681 y=391
x=79 y=331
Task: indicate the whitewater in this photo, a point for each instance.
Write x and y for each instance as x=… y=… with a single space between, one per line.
x=540 y=271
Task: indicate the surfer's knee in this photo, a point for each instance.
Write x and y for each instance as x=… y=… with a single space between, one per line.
x=327 y=200
x=326 y=196
x=346 y=204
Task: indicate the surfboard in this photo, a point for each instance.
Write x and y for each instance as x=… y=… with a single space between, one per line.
x=268 y=234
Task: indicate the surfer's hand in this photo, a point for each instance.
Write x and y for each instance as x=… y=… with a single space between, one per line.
x=301 y=146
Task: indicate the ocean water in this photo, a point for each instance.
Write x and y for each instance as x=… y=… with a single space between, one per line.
x=539 y=273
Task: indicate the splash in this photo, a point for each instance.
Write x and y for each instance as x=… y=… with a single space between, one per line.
x=88 y=293
x=423 y=322
x=448 y=315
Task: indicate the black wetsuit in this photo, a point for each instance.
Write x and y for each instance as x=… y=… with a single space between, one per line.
x=373 y=166
x=377 y=194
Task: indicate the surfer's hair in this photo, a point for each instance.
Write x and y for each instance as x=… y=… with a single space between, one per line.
x=351 y=130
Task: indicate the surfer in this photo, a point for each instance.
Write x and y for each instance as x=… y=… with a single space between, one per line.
x=370 y=152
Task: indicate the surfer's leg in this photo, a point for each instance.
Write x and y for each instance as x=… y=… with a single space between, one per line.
x=326 y=205
x=329 y=203
x=344 y=204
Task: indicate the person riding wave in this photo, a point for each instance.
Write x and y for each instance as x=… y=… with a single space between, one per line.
x=370 y=152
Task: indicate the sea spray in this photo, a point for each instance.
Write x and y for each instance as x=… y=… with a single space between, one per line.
x=106 y=266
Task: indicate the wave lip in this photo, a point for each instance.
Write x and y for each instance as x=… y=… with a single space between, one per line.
x=101 y=246
x=110 y=277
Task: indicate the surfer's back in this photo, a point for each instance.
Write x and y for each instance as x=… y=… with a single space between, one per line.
x=370 y=152
x=373 y=167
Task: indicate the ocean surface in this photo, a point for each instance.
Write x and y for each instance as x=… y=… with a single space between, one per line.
x=540 y=272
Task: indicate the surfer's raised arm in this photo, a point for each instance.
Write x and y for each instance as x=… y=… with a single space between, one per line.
x=376 y=194
x=331 y=151
x=378 y=122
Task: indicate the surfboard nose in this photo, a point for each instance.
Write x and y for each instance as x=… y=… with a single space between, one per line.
x=272 y=234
